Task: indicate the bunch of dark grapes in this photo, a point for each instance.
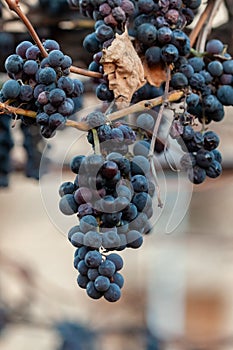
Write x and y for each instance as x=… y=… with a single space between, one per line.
x=112 y=197
x=210 y=82
x=112 y=137
x=157 y=26
x=159 y=29
x=110 y=17
x=112 y=13
x=99 y=273
x=201 y=157
x=6 y=144
x=42 y=85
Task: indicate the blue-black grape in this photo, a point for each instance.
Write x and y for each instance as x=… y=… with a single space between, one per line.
x=66 y=188
x=214 y=46
x=214 y=170
x=113 y=293
x=169 y=53
x=11 y=89
x=196 y=174
x=67 y=205
x=147 y=34
x=93 y=258
x=102 y=283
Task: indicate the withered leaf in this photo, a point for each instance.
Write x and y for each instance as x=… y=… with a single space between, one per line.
x=124 y=69
x=155 y=75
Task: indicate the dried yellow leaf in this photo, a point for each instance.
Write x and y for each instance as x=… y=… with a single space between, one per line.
x=124 y=69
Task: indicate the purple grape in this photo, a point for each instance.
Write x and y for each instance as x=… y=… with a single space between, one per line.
x=196 y=175
x=22 y=47
x=50 y=44
x=153 y=55
x=93 y=259
x=56 y=96
x=30 y=67
x=92 y=239
x=55 y=58
x=214 y=46
x=169 y=53
x=14 y=64
x=32 y=53
x=214 y=170
x=10 y=89
x=134 y=239
x=113 y=293
x=102 y=283
x=147 y=34
x=67 y=205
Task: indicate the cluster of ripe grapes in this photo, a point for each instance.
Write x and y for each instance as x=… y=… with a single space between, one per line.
x=209 y=83
x=113 y=204
x=156 y=26
x=41 y=84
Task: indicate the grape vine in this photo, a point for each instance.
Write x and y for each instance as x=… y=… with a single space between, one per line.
x=144 y=62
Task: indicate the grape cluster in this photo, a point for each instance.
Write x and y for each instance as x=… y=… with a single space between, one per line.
x=157 y=26
x=41 y=84
x=99 y=273
x=201 y=157
x=210 y=81
x=112 y=13
x=113 y=203
x=159 y=29
x=111 y=137
x=6 y=144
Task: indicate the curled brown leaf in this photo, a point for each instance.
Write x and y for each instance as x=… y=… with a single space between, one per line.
x=124 y=69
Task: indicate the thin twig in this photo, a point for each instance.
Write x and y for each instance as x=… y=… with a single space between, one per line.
x=15 y=7
x=6 y=108
x=165 y=99
x=146 y=104
x=96 y=142
x=83 y=126
x=154 y=174
x=201 y=22
x=205 y=31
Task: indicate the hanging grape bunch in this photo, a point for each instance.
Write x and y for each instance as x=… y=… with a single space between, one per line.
x=144 y=62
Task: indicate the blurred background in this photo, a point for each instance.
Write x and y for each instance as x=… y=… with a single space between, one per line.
x=178 y=292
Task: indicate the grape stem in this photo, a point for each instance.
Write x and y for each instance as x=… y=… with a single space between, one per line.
x=206 y=28
x=165 y=99
x=204 y=24
x=5 y=108
x=146 y=104
x=15 y=7
x=83 y=126
x=96 y=141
